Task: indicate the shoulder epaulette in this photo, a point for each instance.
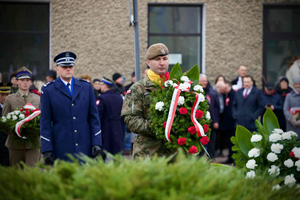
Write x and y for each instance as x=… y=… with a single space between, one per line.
x=49 y=83
x=83 y=80
x=10 y=95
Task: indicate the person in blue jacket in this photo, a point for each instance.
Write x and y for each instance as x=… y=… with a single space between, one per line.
x=109 y=105
x=69 y=117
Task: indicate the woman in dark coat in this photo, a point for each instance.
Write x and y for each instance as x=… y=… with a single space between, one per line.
x=278 y=100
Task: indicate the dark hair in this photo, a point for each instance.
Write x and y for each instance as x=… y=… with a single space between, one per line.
x=219 y=77
x=228 y=82
x=248 y=76
x=293 y=60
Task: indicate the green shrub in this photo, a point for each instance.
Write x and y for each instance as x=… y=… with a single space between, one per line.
x=186 y=178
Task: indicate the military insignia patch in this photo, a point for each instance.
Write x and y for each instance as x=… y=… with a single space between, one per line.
x=162 y=51
x=97 y=102
x=128 y=91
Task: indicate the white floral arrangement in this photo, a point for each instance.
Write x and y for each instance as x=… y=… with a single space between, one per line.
x=269 y=151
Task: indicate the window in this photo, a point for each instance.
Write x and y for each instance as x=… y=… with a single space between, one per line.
x=24 y=38
x=179 y=27
x=281 y=39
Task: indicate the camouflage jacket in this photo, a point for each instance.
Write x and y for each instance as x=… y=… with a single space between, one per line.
x=135 y=111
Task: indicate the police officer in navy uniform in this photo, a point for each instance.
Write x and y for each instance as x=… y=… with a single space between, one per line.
x=69 y=116
x=109 y=105
x=5 y=89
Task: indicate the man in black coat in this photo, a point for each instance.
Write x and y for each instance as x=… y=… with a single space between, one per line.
x=4 y=154
x=227 y=122
x=109 y=106
x=248 y=104
x=214 y=109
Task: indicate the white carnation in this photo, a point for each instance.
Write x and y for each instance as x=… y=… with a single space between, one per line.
x=198 y=88
x=297 y=164
x=296 y=152
x=276 y=148
x=276 y=187
x=184 y=79
x=286 y=136
x=256 y=138
x=251 y=164
x=180 y=100
x=159 y=106
x=250 y=174
x=3 y=119
x=277 y=130
x=184 y=86
x=255 y=152
x=207 y=116
x=14 y=117
x=293 y=133
x=168 y=83
x=289 y=180
x=8 y=116
x=201 y=97
x=272 y=157
x=274 y=170
x=16 y=112
x=21 y=116
x=275 y=137
x=289 y=163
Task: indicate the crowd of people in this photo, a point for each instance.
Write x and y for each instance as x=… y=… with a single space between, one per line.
x=95 y=116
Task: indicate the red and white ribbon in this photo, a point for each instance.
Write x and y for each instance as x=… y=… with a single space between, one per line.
x=294 y=110
x=172 y=111
x=27 y=119
x=171 y=114
x=199 y=128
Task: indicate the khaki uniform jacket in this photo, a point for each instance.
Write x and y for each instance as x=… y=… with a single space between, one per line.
x=135 y=111
x=12 y=102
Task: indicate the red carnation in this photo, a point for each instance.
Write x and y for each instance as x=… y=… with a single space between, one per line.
x=27 y=113
x=192 y=130
x=165 y=123
x=199 y=114
x=204 y=140
x=181 y=141
x=205 y=127
x=183 y=111
x=292 y=154
x=193 y=150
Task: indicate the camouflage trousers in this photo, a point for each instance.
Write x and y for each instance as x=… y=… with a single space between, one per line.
x=144 y=146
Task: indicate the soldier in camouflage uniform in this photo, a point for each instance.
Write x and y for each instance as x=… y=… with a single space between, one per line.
x=137 y=102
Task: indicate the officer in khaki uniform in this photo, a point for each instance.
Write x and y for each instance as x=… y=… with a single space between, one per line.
x=137 y=102
x=24 y=152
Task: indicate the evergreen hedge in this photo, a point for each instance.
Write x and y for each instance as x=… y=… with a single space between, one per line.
x=186 y=178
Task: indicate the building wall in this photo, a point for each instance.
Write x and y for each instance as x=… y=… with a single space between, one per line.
x=98 y=32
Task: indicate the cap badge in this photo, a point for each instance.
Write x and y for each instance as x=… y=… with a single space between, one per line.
x=162 y=51
x=67 y=54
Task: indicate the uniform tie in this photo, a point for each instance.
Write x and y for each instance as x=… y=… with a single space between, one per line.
x=68 y=85
x=25 y=98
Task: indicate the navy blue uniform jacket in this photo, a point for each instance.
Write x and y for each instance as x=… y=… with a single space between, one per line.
x=109 y=108
x=246 y=110
x=69 y=124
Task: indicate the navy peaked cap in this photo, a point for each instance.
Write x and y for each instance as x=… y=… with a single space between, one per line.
x=65 y=59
